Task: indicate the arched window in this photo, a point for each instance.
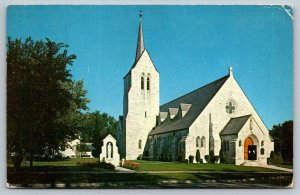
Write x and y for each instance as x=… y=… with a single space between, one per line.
x=198 y=142
x=262 y=151
x=262 y=143
x=142 y=83
x=240 y=143
x=148 y=83
x=140 y=144
x=202 y=142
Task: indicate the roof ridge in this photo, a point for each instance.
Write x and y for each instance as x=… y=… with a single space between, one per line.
x=237 y=122
x=241 y=116
x=213 y=82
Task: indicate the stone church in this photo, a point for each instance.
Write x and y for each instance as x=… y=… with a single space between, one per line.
x=216 y=118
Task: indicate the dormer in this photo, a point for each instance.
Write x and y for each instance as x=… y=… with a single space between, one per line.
x=163 y=116
x=173 y=112
x=184 y=108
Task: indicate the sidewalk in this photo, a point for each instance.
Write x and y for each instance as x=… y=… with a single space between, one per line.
x=278 y=168
x=121 y=169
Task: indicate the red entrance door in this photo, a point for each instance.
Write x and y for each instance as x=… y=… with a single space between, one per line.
x=248 y=141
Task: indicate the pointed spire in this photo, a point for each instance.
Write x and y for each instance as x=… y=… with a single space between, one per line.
x=140 y=42
x=230 y=73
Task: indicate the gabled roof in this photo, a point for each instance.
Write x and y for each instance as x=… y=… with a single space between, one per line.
x=235 y=125
x=198 y=99
x=89 y=146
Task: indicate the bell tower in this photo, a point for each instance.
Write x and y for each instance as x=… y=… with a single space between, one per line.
x=140 y=101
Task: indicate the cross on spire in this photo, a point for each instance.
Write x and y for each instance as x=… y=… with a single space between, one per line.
x=141 y=14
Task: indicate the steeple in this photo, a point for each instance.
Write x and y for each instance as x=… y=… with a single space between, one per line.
x=230 y=71
x=140 y=42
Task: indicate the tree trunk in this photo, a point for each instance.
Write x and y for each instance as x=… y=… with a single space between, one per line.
x=31 y=157
x=30 y=148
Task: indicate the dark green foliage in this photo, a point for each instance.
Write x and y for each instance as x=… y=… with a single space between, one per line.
x=191 y=159
x=283 y=141
x=106 y=165
x=180 y=158
x=207 y=158
x=140 y=157
x=211 y=158
x=215 y=159
x=198 y=157
x=98 y=164
x=17 y=160
x=95 y=127
x=43 y=102
x=275 y=159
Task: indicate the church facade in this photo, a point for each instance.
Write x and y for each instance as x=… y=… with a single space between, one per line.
x=214 y=119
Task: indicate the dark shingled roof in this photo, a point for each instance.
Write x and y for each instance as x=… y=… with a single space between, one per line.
x=89 y=146
x=235 y=125
x=198 y=98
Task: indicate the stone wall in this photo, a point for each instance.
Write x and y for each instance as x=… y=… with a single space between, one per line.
x=143 y=106
x=214 y=117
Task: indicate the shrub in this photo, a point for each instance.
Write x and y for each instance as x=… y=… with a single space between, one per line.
x=102 y=164
x=211 y=158
x=131 y=165
x=214 y=159
x=198 y=157
x=180 y=158
x=17 y=160
x=105 y=165
x=276 y=160
x=269 y=161
x=207 y=158
x=191 y=159
x=186 y=161
x=140 y=157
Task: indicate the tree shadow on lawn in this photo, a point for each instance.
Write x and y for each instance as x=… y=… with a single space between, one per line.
x=87 y=177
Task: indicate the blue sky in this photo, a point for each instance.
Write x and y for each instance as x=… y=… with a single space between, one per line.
x=189 y=45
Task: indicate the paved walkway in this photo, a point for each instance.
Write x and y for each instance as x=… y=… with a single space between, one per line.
x=123 y=170
x=278 y=168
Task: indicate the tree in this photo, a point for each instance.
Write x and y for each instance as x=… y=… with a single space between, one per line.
x=283 y=140
x=95 y=127
x=198 y=157
x=42 y=98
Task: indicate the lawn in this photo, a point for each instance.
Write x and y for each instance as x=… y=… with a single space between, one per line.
x=63 y=162
x=171 y=166
x=70 y=171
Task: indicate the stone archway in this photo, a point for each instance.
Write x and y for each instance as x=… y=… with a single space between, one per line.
x=250 y=148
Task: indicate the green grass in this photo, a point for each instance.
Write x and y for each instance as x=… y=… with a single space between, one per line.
x=63 y=163
x=69 y=171
x=171 y=166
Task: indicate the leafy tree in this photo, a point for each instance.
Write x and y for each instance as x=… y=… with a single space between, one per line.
x=42 y=99
x=198 y=157
x=95 y=127
x=283 y=140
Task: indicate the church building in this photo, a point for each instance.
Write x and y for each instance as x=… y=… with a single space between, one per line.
x=214 y=119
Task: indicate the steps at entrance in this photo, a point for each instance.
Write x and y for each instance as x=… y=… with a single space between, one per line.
x=252 y=163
